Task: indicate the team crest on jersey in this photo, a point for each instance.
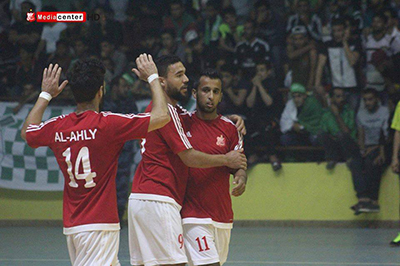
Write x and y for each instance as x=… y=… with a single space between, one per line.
x=188 y=134
x=220 y=141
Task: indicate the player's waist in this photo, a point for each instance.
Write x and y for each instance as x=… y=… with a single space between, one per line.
x=154 y=197
x=91 y=227
x=195 y=220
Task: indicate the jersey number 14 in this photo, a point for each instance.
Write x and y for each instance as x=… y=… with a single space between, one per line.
x=82 y=158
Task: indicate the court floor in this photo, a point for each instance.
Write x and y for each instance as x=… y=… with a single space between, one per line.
x=253 y=246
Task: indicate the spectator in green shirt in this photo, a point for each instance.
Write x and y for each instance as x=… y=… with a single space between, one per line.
x=339 y=141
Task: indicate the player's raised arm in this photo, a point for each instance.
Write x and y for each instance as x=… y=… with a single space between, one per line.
x=147 y=71
x=50 y=89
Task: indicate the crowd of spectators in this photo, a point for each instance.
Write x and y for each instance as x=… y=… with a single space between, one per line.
x=301 y=72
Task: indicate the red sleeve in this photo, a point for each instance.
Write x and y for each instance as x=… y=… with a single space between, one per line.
x=174 y=134
x=42 y=134
x=128 y=126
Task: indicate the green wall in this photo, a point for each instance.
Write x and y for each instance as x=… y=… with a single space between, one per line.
x=300 y=191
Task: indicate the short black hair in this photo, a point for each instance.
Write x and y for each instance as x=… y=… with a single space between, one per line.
x=230 y=68
x=85 y=78
x=168 y=31
x=261 y=3
x=164 y=62
x=392 y=12
x=31 y=5
x=372 y=91
x=335 y=88
x=230 y=10
x=338 y=22
x=382 y=16
x=210 y=73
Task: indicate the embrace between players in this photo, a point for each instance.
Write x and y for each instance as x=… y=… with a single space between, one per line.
x=180 y=209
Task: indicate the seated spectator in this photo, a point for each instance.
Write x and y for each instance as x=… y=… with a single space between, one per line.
x=108 y=50
x=74 y=31
x=302 y=55
x=235 y=91
x=301 y=119
x=62 y=57
x=81 y=49
x=373 y=126
x=50 y=35
x=150 y=43
x=28 y=75
x=263 y=109
x=376 y=42
x=170 y=45
x=271 y=28
x=304 y=17
x=392 y=24
x=251 y=50
x=23 y=32
x=105 y=28
x=179 y=20
x=339 y=140
x=341 y=56
x=231 y=33
x=18 y=13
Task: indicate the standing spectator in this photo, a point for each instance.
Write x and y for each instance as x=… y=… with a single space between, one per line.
x=231 y=34
x=342 y=56
x=251 y=50
x=150 y=43
x=50 y=35
x=18 y=13
x=271 y=28
x=108 y=50
x=170 y=46
x=378 y=40
x=305 y=18
x=27 y=76
x=235 y=91
x=374 y=7
x=74 y=31
x=301 y=119
x=264 y=107
x=302 y=55
x=210 y=26
x=392 y=24
x=179 y=20
x=339 y=139
x=373 y=133
x=61 y=56
x=81 y=49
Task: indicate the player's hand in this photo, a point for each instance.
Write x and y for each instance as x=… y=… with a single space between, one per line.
x=240 y=185
x=236 y=160
x=145 y=67
x=51 y=79
x=395 y=164
x=239 y=122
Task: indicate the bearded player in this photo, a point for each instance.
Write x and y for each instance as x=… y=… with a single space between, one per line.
x=87 y=144
x=159 y=185
x=207 y=214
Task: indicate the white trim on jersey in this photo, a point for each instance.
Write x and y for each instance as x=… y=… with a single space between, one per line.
x=239 y=145
x=33 y=127
x=91 y=227
x=154 y=197
x=130 y=116
x=193 y=220
x=178 y=126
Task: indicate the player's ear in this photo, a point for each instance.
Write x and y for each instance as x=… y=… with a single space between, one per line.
x=162 y=81
x=194 y=93
x=220 y=99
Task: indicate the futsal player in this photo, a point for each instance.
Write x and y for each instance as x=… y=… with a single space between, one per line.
x=87 y=144
x=207 y=214
x=158 y=189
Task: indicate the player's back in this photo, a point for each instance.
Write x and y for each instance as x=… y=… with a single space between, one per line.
x=87 y=147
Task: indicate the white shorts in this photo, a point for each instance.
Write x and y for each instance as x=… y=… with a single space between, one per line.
x=206 y=244
x=155 y=233
x=94 y=248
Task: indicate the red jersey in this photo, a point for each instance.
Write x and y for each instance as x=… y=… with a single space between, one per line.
x=161 y=175
x=207 y=199
x=87 y=147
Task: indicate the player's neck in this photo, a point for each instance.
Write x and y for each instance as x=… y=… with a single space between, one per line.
x=87 y=106
x=206 y=116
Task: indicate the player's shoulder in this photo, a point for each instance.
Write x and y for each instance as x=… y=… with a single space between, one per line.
x=49 y=122
x=119 y=115
x=227 y=123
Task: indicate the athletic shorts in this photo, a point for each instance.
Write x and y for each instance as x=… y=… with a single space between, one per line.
x=94 y=248
x=155 y=233
x=206 y=244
